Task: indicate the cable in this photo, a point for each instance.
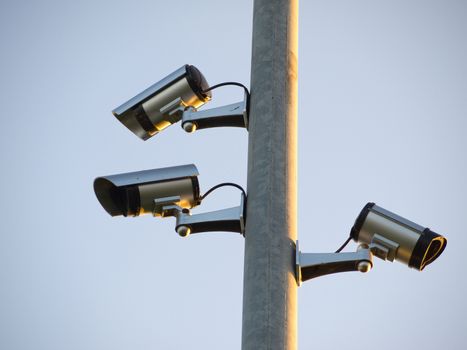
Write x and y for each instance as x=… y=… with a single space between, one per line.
x=343 y=245
x=228 y=83
x=222 y=185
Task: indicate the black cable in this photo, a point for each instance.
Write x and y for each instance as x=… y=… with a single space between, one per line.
x=228 y=83
x=343 y=245
x=222 y=185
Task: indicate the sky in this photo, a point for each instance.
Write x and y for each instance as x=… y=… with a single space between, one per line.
x=382 y=118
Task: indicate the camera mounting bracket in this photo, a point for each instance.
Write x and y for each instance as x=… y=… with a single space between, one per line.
x=234 y=115
x=312 y=265
x=229 y=219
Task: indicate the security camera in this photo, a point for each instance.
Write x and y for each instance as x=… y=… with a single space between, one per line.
x=163 y=103
x=391 y=237
x=168 y=192
x=145 y=192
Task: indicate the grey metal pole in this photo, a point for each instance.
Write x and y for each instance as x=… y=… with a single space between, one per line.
x=270 y=290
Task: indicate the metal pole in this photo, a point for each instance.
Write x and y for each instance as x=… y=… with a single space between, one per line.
x=270 y=290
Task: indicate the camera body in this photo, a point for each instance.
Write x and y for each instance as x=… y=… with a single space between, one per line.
x=162 y=104
x=392 y=237
x=135 y=193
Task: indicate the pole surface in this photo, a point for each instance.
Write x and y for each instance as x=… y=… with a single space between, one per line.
x=270 y=290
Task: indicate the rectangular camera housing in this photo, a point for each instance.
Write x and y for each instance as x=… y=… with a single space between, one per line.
x=155 y=108
x=133 y=194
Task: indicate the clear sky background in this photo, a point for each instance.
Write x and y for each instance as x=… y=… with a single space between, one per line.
x=382 y=117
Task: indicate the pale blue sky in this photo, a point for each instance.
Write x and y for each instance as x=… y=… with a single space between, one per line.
x=382 y=117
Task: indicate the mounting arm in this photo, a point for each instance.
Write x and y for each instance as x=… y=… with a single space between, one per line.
x=235 y=114
x=312 y=265
x=230 y=219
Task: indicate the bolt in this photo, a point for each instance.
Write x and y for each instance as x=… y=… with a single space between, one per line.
x=183 y=231
x=364 y=266
x=189 y=127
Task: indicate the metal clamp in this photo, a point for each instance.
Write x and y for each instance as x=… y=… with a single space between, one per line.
x=234 y=115
x=312 y=265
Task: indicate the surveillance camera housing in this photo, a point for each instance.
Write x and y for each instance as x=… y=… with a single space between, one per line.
x=393 y=237
x=158 y=106
x=134 y=194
